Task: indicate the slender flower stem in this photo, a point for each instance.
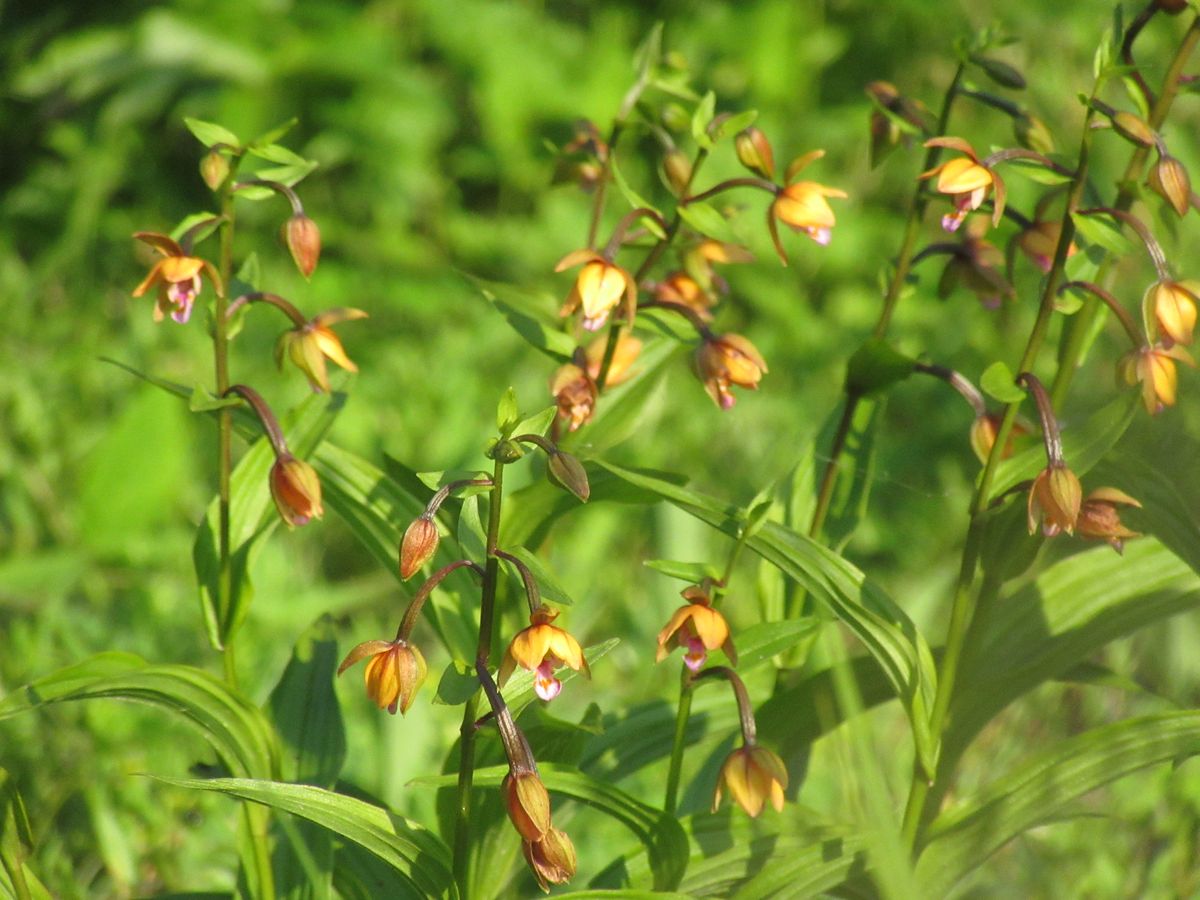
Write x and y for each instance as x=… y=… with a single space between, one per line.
x=409 y=622
x=1119 y=311
x=686 y=311
x=532 y=593
x=729 y=184
x=483 y=653
x=656 y=252
x=621 y=231
x=912 y=231
x=435 y=502
x=275 y=300
x=1050 y=433
x=516 y=747
x=917 y=810
x=269 y=423
x=745 y=710
x=1152 y=246
x=278 y=187
x=959 y=382
x=682 y=712
x=224 y=423
x=1075 y=337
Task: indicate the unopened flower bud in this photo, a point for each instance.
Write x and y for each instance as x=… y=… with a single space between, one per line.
x=983 y=436
x=676 y=118
x=552 y=858
x=567 y=472
x=754 y=152
x=678 y=170
x=394 y=673
x=1172 y=7
x=296 y=490
x=418 y=546
x=1169 y=179
x=1133 y=129
x=304 y=242
x=722 y=361
x=214 y=169
x=528 y=804
x=1054 y=498
x=1172 y=306
x=1032 y=133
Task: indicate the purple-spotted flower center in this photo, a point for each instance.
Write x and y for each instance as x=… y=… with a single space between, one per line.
x=545 y=685
x=695 y=653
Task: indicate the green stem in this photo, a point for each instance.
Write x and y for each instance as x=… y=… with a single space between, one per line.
x=912 y=231
x=670 y=800
x=656 y=252
x=483 y=653
x=962 y=608
x=224 y=428
x=1075 y=337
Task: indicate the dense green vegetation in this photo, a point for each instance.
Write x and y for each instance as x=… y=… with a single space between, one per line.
x=433 y=125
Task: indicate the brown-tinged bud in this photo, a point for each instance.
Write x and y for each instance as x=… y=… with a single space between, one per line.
x=678 y=170
x=418 y=546
x=395 y=671
x=1169 y=179
x=1172 y=7
x=552 y=858
x=214 y=169
x=754 y=152
x=528 y=804
x=1099 y=519
x=304 y=242
x=983 y=436
x=1133 y=129
x=1032 y=133
x=1054 y=498
x=1000 y=72
x=575 y=393
x=296 y=490
x=567 y=472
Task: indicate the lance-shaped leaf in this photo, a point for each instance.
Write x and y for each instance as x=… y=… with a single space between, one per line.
x=419 y=858
x=1045 y=788
x=885 y=630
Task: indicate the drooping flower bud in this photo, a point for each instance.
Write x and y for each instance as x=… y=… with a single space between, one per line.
x=552 y=858
x=1172 y=305
x=419 y=544
x=304 y=242
x=575 y=393
x=755 y=153
x=296 y=490
x=1170 y=180
x=393 y=675
x=753 y=775
x=214 y=169
x=1032 y=133
x=678 y=170
x=983 y=436
x=1054 y=499
x=1133 y=129
x=528 y=804
x=725 y=360
x=568 y=472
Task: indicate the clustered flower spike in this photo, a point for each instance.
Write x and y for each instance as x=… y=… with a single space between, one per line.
x=598 y=289
x=753 y=775
x=176 y=276
x=698 y=628
x=541 y=648
x=394 y=672
x=722 y=361
x=310 y=344
x=967 y=180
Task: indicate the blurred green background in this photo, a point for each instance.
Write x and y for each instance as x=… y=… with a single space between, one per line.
x=430 y=121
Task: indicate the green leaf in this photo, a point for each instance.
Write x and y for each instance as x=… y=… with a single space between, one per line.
x=1043 y=788
x=886 y=631
x=1045 y=629
x=203 y=400
x=692 y=573
x=856 y=471
x=1038 y=172
x=636 y=200
x=238 y=732
x=704 y=218
x=999 y=383
x=417 y=855
x=507 y=412
x=252 y=515
x=278 y=154
x=210 y=221
x=305 y=709
x=1083 y=446
x=470 y=534
x=210 y=134
x=1103 y=232
x=660 y=833
x=272 y=135
x=538 y=423
x=529 y=315
x=875 y=367
x=734 y=123
x=457 y=685
x=702 y=118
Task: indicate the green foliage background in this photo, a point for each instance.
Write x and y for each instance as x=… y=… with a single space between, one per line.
x=429 y=120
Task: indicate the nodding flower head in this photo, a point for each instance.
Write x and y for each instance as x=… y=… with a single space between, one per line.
x=1099 y=519
x=394 y=672
x=753 y=775
x=722 y=361
x=698 y=628
x=310 y=344
x=296 y=490
x=541 y=648
x=598 y=289
x=1054 y=499
x=966 y=180
x=176 y=276
x=1154 y=367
